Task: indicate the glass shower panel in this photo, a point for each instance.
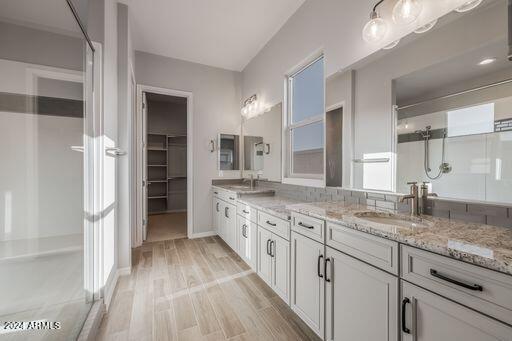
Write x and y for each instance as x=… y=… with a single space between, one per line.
x=46 y=187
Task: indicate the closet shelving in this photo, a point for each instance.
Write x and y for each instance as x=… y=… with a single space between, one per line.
x=167 y=172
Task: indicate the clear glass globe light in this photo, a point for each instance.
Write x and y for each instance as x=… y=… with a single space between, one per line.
x=468 y=6
x=406 y=11
x=375 y=29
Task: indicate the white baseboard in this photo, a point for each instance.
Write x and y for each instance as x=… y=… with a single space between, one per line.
x=203 y=234
x=111 y=285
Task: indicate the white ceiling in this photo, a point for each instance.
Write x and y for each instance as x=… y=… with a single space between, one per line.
x=221 y=33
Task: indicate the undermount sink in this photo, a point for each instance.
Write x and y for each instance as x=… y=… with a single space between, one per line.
x=393 y=220
x=241 y=187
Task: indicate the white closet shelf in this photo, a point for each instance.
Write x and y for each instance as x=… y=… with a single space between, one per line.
x=158 y=197
x=177 y=177
x=156 y=149
x=157 y=165
x=156 y=181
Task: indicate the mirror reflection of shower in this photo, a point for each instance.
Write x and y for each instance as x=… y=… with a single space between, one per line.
x=444 y=167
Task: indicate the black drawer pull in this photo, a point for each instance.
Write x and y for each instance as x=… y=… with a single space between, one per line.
x=474 y=287
x=320 y=257
x=271 y=224
x=215 y=192
x=246 y=212
x=231 y=198
x=327 y=261
x=268 y=243
x=306 y=225
x=404 y=327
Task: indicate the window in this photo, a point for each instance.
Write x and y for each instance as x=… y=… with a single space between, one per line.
x=305 y=129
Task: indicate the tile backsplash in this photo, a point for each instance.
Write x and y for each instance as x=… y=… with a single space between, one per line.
x=492 y=214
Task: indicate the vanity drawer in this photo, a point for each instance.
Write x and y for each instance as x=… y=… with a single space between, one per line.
x=379 y=252
x=225 y=195
x=275 y=225
x=309 y=226
x=487 y=291
x=247 y=212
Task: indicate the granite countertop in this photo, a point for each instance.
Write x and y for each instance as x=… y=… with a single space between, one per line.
x=483 y=245
x=244 y=190
x=275 y=205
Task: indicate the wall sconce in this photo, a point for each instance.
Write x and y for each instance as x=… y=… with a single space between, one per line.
x=251 y=107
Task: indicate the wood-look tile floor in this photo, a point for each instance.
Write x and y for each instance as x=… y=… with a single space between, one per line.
x=167 y=226
x=196 y=289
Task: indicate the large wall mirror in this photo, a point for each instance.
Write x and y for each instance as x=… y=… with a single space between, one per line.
x=437 y=108
x=262 y=144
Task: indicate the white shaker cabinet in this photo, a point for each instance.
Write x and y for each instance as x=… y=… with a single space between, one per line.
x=361 y=301
x=429 y=317
x=247 y=240
x=264 y=257
x=307 y=281
x=280 y=254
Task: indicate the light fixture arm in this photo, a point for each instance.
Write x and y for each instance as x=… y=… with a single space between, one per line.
x=376 y=5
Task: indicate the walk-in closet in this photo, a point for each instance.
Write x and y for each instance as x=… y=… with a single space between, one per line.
x=166 y=158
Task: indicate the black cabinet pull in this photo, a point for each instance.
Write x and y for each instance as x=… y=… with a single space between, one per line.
x=404 y=304
x=217 y=207
x=320 y=257
x=244 y=230
x=474 y=287
x=272 y=247
x=306 y=225
x=271 y=224
x=231 y=198
x=246 y=212
x=268 y=243
x=226 y=212
x=327 y=261
x=215 y=192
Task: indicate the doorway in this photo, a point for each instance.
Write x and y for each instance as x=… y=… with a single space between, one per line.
x=165 y=165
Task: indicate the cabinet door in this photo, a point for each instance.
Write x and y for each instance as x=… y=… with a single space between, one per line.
x=264 y=260
x=221 y=220
x=307 y=294
x=230 y=215
x=280 y=250
x=361 y=301
x=247 y=245
x=430 y=317
x=216 y=211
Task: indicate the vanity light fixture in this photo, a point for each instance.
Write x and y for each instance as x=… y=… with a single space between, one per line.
x=426 y=28
x=468 y=6
x=390 y=46
x=250 y=107
x=406 y=11
x=487 y=61
x=376 y=28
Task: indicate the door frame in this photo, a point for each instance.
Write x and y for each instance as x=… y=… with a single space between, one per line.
x=141 y=88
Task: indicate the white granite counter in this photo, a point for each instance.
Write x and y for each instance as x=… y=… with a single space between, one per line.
x=483 y=245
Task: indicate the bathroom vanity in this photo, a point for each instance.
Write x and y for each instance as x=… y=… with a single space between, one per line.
x=357 y=272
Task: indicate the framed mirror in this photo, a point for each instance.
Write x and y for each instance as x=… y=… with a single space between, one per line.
x=229 y=152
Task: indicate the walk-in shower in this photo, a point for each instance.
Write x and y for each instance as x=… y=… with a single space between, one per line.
x=444 y=167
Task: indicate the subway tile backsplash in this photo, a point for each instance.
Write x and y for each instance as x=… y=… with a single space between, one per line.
x=492 y=214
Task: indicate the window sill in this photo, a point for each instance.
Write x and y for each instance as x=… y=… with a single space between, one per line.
x=305 y=182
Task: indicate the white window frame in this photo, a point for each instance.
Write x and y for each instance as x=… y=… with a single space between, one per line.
x=315 y=180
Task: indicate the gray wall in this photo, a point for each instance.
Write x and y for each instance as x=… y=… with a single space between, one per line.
x=30 y=45
x=333 y=26
x=216 y=109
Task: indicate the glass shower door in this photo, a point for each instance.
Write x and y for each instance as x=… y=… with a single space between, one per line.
x=46 y=172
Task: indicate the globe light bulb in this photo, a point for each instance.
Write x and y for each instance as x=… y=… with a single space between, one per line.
x=406 y=11
x=375 y=29
x=468 y=6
